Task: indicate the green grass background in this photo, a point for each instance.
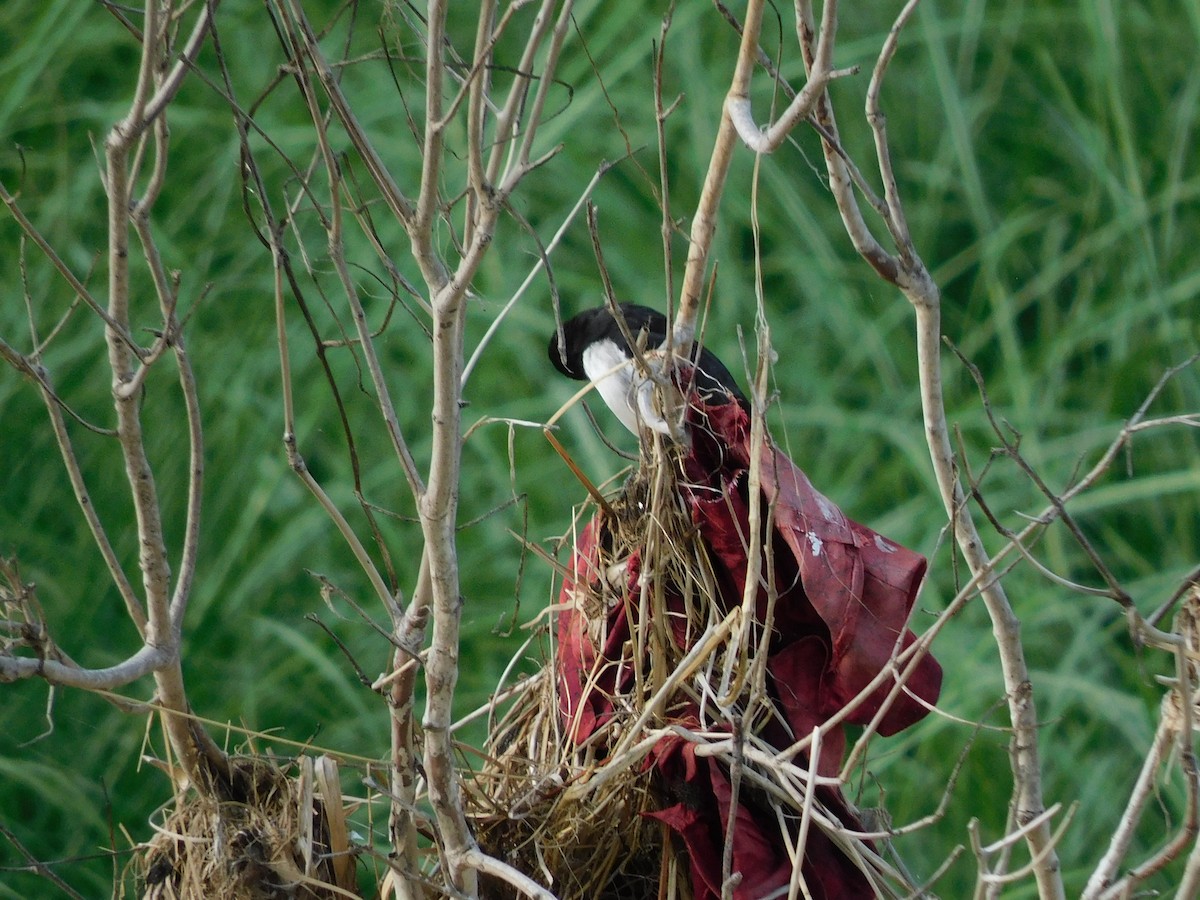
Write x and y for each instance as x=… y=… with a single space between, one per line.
x=1046 y=152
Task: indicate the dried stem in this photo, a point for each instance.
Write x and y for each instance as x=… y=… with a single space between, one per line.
x=906 y=270
x=158 y=613
x=163 y=618
x=1143 y=791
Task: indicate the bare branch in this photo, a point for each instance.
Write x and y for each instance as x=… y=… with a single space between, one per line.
x=908 y=272
x=491 y=866
x=537 y=110
x=192 y=745
x=168 y=86
x=146 y=661
x=420 y=229
x=820 y=73
x=133 y=605
x=64 y=270
x=1143 y=791
x=397 y=202
x=843 y=175
x=36 y=865
x=704 y=221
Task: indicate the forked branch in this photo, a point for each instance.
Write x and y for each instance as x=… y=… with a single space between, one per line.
x=904 y=268
x=499 y=153
x=157 y=613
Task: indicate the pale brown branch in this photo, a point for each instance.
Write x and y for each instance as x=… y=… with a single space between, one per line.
x=159 y=620
x=895 y=219
x=191 y=746
x=169 y=85
x=514 y=877
x=420 y=228
x=438 y=510
x=664 y=199
x=133 y=605
x=158 y=174
x=806 y=815
x=1177 y=713
x=820 y=73
x=908 y=272
x=81 y=291
x=195 y=486
x=843 y=175
x=561 y=29
x=998 y=878
x=124 y=132
x=1143 y=792
x=399 y=204
x=438 y=506
x=508 y=119
x=410 y=633
x=1027 y=796
x=704 y=222
x=478 y=81
x=147 y=660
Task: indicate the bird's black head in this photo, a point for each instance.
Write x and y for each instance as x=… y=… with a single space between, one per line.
x=592 y=325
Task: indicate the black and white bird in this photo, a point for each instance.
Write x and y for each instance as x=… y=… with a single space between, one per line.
x=594 y=348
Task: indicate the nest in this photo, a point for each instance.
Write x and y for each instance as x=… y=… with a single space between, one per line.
x=281 y=836
x=529 y=812
x=568 y=815
x=628 y=775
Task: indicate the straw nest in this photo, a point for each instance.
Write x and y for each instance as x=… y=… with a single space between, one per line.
x=275 y=833
x=569 y=816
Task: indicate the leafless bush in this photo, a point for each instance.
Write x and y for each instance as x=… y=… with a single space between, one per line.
x=449 y=212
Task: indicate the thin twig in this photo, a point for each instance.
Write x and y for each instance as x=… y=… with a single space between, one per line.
x=1143 y=791
x=37 y=866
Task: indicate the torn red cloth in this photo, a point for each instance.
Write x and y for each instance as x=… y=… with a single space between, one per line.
x=843 y=595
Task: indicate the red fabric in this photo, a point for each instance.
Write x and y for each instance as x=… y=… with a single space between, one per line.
x=843 y=598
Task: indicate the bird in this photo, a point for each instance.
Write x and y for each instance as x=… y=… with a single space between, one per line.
x=594 y=348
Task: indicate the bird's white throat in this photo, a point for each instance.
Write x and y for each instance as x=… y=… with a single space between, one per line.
x=624 y=391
